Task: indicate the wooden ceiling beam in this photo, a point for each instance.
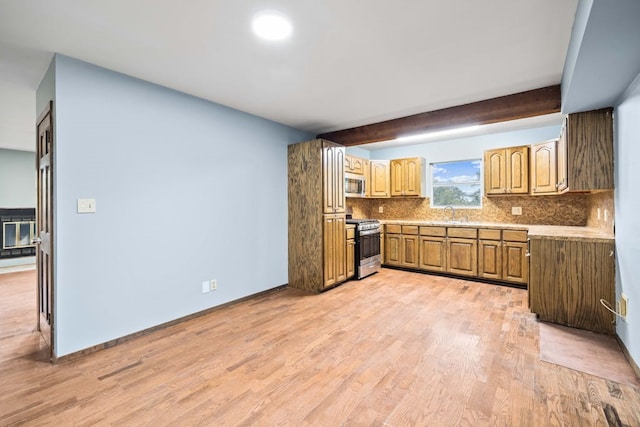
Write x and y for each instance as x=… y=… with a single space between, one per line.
x=521 y=105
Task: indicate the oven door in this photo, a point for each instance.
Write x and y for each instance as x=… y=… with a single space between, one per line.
x=369 y=246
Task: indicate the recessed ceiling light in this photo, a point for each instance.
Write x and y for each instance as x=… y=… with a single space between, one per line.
x=271 y=25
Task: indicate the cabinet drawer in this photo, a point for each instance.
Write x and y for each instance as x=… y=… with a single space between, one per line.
x=514 y=235
x=409 y=229
x=393 y=228
x=433 y=231
x=489 y=234
x=351 y=232
x=465 y=233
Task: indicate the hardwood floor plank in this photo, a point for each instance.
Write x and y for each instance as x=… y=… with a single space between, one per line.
x=397 y=348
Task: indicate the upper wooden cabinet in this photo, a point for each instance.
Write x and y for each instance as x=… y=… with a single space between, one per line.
x=506 y=171
x=333 y=160
x=580 y=160
x=379 y=183
x=353 y=164
x=407 y=177
x=586 y=141
x=543 y=168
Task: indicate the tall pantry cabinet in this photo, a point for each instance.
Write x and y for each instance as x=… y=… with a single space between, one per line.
x=317 y=235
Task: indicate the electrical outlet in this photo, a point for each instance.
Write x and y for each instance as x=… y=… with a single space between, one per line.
x=624 y=306
x=213 y=285
x=205 y=287
x=516 y=210
x=381 y=209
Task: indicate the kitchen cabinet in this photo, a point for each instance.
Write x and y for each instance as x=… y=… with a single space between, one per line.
x=334 y=250
x=581 y=159
x=503 y=256
x=379 y=184
x=462 y=251
x=506 y=171
x=401 y=247
x=543 y=168
x=316 y=224
x=490 y=254
x=567 y=279
x=408 y=177
x=353 y=164
x=351 y=251
x=586 y=145
x=433 y=249
x=393 y=243
x=333 y=177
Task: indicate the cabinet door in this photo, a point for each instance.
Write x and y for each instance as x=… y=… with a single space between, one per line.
x=333 y=161
x=561 y=158
x=548 y=280
x=409 y=251
x=590 y=150
x=495 y=172
x=517 y=173
x=412 y=177
x=393 y=243
x=379 y=184
x=462 y=256
x=367 y=177
x=334 y=243
x=591 y=277
x=543 y=168
x=351 y=250
x=433 y=254
x=490 y=259
x=397 y=177
x=515 y=262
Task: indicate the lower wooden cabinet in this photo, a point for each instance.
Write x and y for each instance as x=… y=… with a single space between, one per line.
x=493 y=254
x=401 y=250
x=334 y=250
x=351 y=251
x=462 y=256
x=433 y=253
x=490 y=259
x=567 y=280
x=502 y=255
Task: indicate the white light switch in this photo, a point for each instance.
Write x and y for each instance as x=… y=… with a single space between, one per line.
x=86 y=205
x=516 y=210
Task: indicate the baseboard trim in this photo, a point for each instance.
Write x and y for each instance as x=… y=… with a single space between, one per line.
x=112 y=343
x=627 y=355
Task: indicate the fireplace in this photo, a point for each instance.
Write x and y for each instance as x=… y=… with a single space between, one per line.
x=17 y=231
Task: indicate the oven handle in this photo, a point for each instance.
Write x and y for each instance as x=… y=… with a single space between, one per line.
x=369 y=232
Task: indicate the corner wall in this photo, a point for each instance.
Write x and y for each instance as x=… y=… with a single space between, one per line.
x=186 y=191
x=627 y=206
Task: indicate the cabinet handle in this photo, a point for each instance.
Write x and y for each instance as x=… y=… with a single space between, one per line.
x=527 y=253
x=611 y=253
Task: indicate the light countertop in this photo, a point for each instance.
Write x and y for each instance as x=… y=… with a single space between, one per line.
x=535 y=231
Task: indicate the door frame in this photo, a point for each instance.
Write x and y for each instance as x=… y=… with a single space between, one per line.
x=45 y=328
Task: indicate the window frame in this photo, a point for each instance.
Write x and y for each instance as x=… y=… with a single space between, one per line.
x=432 y=167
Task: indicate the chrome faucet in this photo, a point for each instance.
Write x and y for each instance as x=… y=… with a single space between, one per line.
x=453 y=212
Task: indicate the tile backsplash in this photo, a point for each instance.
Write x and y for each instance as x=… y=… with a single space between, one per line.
x=567 y=209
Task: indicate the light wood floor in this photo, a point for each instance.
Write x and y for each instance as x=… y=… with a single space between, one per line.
x=395 y=349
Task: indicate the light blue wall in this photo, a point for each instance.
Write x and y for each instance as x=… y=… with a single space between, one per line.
x=627 y=206
x=186 y=190
x=17 y=179
x=463 y=148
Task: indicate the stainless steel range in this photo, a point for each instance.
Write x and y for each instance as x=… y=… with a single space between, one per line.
x=367 y=251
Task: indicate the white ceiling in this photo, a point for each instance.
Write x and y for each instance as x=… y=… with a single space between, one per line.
x=349 y=62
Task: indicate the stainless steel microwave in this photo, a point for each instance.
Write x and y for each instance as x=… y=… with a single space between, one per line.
x=354 y=185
